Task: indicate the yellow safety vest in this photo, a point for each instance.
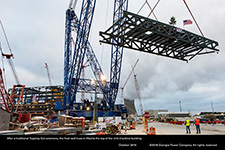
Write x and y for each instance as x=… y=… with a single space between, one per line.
x=187 y=122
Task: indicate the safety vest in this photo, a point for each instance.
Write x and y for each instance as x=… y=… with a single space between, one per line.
x=197 y=121
x=187 y=122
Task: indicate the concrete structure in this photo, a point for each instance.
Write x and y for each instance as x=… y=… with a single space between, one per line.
x=130 y=106
x=154 y=113
x=174 y=114
x=4 y=120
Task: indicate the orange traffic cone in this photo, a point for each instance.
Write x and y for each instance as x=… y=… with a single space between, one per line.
x=133 y=125
x=152 y=131
x=125 y=129
x=100 y=133
x=119 y=128
x=146 y=127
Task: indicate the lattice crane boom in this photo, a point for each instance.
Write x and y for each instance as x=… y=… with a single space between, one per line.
x=73 y=63
x=116 y=54
x=10 y=56
x=125 y=83
x=48 y=73
x=10 y=102
x=138 y=93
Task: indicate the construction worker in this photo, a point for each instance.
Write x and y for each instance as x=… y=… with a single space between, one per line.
x=187 y=123
x=197 y=124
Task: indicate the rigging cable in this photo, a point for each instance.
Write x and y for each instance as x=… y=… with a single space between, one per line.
x=142 y=7
x=152 y=10
x=193 y=18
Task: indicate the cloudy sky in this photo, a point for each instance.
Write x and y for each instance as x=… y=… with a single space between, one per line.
x=35 y=29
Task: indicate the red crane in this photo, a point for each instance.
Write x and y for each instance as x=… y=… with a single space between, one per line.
x=12 y=102
x=4 y=97
x=122 y=88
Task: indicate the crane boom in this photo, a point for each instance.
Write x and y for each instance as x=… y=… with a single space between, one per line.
x=138 y=93
x=15 y=99
x=116 y=54
x=9 y=57
x=4 y=97
x=122 y=88
x=73 y=68
x=49 y=77
x=72 y=4
x=72 y=25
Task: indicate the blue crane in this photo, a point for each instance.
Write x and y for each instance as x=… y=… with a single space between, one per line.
x=73 y=63
x=116 y=54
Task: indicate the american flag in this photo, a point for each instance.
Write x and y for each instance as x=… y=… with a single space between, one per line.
x=186 y=22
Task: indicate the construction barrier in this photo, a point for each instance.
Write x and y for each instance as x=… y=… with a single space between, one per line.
x=100 y=133
x=133 y=125
x=146 y=127
x=125 y=128
x=129 y=125
x=151 y=131
x=82 y=120
x=119 y=128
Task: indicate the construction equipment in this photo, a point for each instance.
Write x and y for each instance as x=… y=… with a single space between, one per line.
x=83 y=76
x=72 y=66
x=4 y=97
x=125 y=83
x=72 y=75
x=130 y=31
x=48 y=73
x=138 y=94
x=10 y=56
x=116 y=53
x=72 y=81
x=15 y=100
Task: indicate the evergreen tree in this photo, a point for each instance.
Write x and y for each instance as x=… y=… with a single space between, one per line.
x=173 y=21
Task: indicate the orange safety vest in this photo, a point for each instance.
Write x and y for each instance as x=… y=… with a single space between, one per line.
x=197 y=121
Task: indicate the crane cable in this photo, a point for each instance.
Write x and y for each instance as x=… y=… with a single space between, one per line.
x=193 y=18
x=152 y=10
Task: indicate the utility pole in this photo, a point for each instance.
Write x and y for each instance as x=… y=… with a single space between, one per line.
x=180 y=106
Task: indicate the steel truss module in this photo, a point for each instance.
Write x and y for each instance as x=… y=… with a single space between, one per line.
x=151 y=36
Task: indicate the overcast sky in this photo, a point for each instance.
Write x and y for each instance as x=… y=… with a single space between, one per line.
x=35 y=29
